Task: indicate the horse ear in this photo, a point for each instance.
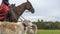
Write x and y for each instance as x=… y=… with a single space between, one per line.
x=27 y=1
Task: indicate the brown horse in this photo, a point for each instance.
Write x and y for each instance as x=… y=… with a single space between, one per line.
x=18 y=11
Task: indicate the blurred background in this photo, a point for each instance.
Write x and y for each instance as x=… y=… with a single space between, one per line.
x=46 y=16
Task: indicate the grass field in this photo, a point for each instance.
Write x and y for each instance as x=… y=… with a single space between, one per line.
x=48 y=32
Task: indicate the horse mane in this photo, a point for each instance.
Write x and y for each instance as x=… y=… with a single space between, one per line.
x=21 y=4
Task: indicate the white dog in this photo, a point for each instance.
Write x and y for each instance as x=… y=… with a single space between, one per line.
x=11 y=28
x=30 y=27
x=18 y=28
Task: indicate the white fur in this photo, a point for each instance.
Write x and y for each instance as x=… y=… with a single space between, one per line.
x=18 y=30
x=29 y=28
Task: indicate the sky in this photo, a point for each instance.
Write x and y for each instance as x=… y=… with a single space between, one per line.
x=48 y=10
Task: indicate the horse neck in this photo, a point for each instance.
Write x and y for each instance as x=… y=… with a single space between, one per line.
x=19 y=10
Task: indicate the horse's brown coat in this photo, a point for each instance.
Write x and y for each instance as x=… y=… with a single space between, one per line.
x=20 y=9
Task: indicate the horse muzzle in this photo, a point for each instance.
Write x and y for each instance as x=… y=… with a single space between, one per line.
x=32 y=10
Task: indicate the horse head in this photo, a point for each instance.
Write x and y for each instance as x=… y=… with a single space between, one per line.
x=29 y=7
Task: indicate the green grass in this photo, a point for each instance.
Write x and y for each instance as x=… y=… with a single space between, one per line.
x=48 y=32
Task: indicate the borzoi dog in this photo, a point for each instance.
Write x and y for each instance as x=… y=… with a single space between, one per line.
x=30 y=27
x=11 y=28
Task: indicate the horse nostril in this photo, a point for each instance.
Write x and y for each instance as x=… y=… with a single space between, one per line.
x=32 y=11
